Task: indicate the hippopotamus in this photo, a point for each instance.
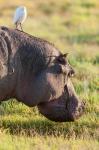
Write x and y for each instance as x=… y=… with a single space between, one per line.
x=36 y=73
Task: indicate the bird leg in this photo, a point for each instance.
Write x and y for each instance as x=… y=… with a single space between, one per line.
x=16 y=26
x=21 y=27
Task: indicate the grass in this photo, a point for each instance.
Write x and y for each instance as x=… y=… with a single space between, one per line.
x=48 y=143
x=73 y=26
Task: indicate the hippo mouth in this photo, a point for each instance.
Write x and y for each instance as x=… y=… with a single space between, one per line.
x=64 y=109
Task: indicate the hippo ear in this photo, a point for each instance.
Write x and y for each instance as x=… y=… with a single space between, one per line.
x=65 y=55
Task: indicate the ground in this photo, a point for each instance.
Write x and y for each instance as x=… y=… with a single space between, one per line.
x=73 y=26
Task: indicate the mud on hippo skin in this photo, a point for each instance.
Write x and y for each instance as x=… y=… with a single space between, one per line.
x=36 y=73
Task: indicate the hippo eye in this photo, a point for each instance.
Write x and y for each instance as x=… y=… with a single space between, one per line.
x=61 y=60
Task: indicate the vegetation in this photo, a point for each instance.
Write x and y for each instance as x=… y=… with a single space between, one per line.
x=73 y=26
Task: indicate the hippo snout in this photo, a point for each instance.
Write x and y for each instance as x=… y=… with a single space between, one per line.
x=74 y=114
x=74 y=106
x=57 y=111
x=66 y=108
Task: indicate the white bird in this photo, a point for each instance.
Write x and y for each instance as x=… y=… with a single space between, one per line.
x=20 y=16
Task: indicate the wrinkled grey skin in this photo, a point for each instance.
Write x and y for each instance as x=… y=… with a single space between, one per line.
x=36 y=73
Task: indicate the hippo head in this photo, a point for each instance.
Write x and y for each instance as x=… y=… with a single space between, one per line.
x=64 y=105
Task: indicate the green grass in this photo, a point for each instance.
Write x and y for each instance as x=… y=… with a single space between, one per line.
x=73 y=26
x=43 y=143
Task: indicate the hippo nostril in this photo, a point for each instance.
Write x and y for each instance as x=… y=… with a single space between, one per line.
x=79 y=109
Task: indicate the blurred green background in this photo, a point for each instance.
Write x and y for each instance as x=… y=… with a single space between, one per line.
x=73 y=26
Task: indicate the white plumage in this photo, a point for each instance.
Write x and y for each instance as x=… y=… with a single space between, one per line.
x=20 y=16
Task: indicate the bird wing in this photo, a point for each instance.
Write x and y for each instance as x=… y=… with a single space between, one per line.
x=17 y=15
